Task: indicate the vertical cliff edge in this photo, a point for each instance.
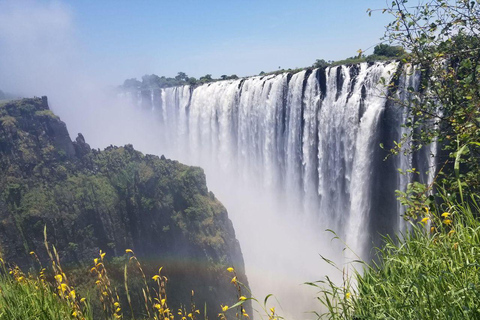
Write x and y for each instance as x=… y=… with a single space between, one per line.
x=110 y=200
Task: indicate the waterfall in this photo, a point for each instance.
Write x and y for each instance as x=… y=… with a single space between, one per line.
x=291 y=155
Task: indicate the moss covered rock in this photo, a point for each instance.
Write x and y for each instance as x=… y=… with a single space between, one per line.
x=110 y=200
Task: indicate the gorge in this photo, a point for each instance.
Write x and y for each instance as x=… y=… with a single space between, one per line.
x=292 y=155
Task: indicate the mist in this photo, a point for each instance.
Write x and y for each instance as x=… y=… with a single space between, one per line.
x=41 y=55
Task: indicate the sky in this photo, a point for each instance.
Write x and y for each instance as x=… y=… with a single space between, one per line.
x=111 y=41
x=71 y=50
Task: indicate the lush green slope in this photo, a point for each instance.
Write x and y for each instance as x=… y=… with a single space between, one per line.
x=113 y=200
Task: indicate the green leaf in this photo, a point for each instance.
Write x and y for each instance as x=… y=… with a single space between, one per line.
x=266 y=299
x=456 y=166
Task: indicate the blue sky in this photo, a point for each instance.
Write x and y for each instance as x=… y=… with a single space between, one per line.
x=115 y=40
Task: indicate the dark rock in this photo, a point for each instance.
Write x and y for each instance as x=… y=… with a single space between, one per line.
x=111 y=200
x=81 y=147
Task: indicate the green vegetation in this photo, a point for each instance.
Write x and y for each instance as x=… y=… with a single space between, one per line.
x=431 y=271
x=28 y=299
x=50 y=294
x=382 y=52
x=102 y=201
x=110 y=200
x=155 y=82
x=443 y=40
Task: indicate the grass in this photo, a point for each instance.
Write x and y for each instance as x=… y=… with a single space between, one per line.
x=50 y=295
x=432 y=272
x=24 y=297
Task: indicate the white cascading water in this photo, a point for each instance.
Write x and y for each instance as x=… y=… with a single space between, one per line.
x=290 y=156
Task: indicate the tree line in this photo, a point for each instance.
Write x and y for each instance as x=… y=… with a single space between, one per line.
x=181 y=79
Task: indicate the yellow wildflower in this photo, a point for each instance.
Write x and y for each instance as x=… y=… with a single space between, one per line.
x=224 y=308
x=155 y=277
x=59 y=278
x=129 y=251
x=272 y=309
x=445 y=214
x=242 y=298
x=230 y=269
x=72 y=294
x=447 y=221
x=82 y=300
x=424 y=220
x=451 y=232
x=234 y=280
x=347 y=295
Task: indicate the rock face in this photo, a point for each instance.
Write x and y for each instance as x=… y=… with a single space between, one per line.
x=112 y=200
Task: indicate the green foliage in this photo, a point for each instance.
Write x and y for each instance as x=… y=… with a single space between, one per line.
x=443 y=40
x=29 y=298
x=320 y=63
x=46 y=113
x=431 y=272
x=132 y=84
x=108 y=200
x=388 y=51
x=206 y=78
x=181 y=76
x=155 y=82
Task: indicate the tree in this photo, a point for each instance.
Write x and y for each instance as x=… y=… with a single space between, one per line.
x=320 y=63
x=150 y=80
x=388 y=51
x=206 y=78
x=442 y=38
x=132 y=83
x=181 y=76
x=191 y=81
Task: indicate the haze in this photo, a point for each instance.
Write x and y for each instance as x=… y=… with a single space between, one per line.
x=74 y=52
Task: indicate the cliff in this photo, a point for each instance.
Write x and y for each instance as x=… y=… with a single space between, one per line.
x=112 y=200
